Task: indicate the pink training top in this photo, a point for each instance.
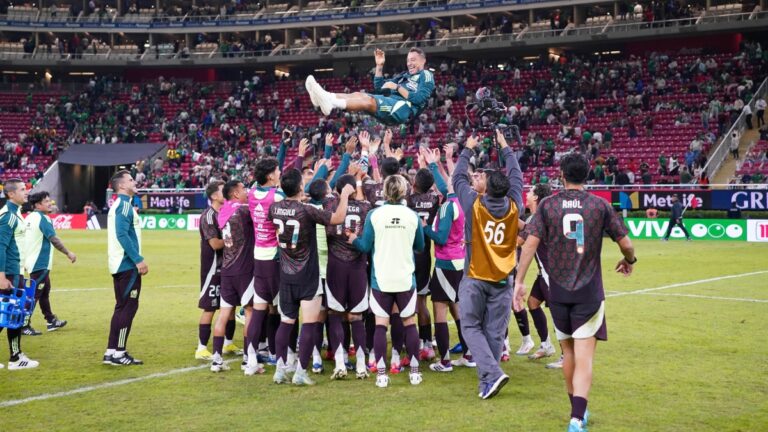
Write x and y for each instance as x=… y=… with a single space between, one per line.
x=227 y=210
x=259 y=201
x=453 y=249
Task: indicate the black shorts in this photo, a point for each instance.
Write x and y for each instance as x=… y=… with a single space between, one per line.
x=291 y=295
x=540 y=289
x=210 y=293
x=579 y=320
x=266 y=281
x=237 y=290
x=422 y=273
x=347 y=289
x=382 y=303
x=444 y=285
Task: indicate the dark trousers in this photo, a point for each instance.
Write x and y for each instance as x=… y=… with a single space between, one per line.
x=127 y=287
x=748 y=119
x=42 y=295
x=760 y=118
x=14 y=335
x=673 y=223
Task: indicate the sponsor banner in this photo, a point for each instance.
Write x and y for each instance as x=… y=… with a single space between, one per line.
x=700 y=229
x=163 y=222
x=742 y=199
x=174 y=200
x=662 y=199
x=62 y=221
x=193 y=222
x=97 y=222
x=757 y=230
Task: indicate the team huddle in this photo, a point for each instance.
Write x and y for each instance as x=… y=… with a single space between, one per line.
x=340 y=257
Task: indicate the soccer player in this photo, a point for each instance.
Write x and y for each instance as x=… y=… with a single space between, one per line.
x=490 y=228
x=447 y=231
x=127 y=267
x=39 y=235
x=11 y=233
x=266 y=267
x=237 y=280
x=540 y=290
x=426 y=204
x=676 y=219
x=347 y=293
x=396 y=101
x=571 y=224
x=299 y=270
x=393 y=232
x=211 y=257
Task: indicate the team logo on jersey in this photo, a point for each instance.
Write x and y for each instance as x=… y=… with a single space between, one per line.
x=395 y=221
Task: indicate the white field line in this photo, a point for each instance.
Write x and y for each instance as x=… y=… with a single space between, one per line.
x=64 y=290
x=748 y=300
x=682 y=284
x=86 y=389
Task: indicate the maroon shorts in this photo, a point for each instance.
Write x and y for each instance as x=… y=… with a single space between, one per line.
x=422 y=272
x=382 y=303
x=237 y=290
x=347 y=289
x=291 y=296
x=266 y=281
x=579 y=320
x=540 y=289
x=210 y=295
x=444 y=285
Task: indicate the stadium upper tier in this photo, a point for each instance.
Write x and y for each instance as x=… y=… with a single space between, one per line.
x=627 y=114
x=212 y=40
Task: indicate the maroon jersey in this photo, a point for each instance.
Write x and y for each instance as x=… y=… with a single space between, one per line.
x=297 y=239
x=357 y=211
x=542 y=252
x=238 y=243
x=571 y=224
x=374 y=194
x=210 y=259
x=426 y=205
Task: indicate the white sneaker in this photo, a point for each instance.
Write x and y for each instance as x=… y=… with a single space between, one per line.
x=300 y=378
x=382 y=381
x=465 y=361
x=526 y=346
x=23 y=362
x=415 y=378
x=338 y=374
x=323 y=98
x=218 y=366
x=556 y=365
x=545 y=350
x=253 y=368
x=309 y=84
x=2 y=365
x=280 y=377
x=361 y=373
x=440 y=367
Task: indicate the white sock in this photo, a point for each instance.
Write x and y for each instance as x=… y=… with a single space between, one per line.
x=251 y=351
x=217 y=357
x=109 y=352
x=360 y=358
x=227 y=342
x=338 y=356
x=119 y=354
x=291 y=358
x=371 y=356
x=316 y=358
x=338 y=102
x=527 y=338
x=201 y=347
x=395 y=357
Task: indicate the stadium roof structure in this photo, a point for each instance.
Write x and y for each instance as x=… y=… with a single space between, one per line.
x=109 y=154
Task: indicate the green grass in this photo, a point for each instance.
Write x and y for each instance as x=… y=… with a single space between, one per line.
x=671 y=363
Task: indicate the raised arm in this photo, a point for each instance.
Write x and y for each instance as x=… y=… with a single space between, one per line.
x=461 y=181
x=514 y=173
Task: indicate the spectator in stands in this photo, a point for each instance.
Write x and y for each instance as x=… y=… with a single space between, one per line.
x=747 y=110
x=735 y=143
x=760 y=105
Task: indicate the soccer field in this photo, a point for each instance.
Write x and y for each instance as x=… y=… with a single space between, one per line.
x=684 y=354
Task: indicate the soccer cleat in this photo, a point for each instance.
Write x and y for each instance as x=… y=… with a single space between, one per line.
x=405 y=362
x=545 y=350
x=361 y=373
x=232 y=349
x=556 y=365
x=441 y=367
x=272 y=360
x=415 y=378
x=308 y=84
x=317 y=368
x=23 y=362
x=372 y=366
x=457 y=349
x=218 y=366
x=253 y=369
x=427 y=354
x=203 y=354
x=382 y=381
x=339 y=374
x=280 y=377
x=55 y=324
x=240 y=316
x=352 y=352
x=586 y=418
x=394 y=368
x=300 y=378
x=492 y=389
x=329 y=355
x=107 y=360
x=465 y=361
x=349 y=365
x=576 y=425
x=126 y=360
x=525 y=346
x=29 y=331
